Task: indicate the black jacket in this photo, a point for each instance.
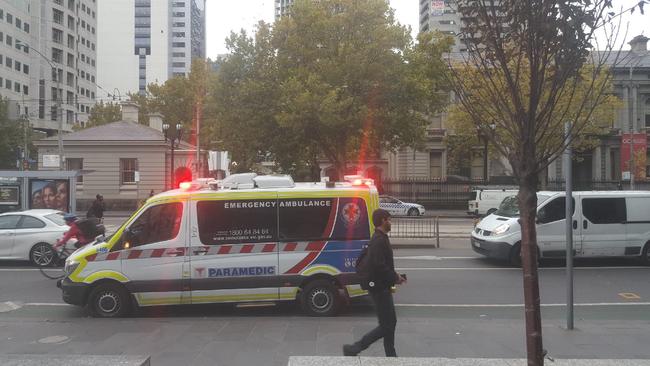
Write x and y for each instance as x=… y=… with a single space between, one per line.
x=380 y=262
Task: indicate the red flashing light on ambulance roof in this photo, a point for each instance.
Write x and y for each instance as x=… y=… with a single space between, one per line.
x=358 y=180
x=185 y=186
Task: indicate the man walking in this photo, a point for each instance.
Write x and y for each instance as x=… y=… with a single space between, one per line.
x=381 y=277
x=97 y=208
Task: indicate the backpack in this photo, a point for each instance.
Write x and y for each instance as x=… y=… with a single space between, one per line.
x=90 y=228
x=362 y=267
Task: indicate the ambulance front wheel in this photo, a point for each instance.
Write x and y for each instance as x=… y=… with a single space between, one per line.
x=320 y=298
x=109 y=300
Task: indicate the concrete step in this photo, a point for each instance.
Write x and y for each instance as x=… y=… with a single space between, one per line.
x=73 y=360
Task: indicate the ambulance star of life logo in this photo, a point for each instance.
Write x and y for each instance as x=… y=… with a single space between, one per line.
x=199 y=271
x=351 y=213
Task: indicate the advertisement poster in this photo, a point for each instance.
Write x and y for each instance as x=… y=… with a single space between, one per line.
x=437 y=7
x=640 y=142
x=9 y=195
x=49 y=193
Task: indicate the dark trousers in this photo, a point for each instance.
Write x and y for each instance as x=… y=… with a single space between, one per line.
x=387 y=321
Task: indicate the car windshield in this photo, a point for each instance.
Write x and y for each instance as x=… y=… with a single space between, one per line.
x=56 y=218
x=510 y=205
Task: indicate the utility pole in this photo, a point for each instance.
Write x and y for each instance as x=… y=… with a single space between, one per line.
x=569 y=226
x=632 y=130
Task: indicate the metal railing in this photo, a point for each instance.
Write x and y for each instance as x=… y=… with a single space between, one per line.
x=416 y=228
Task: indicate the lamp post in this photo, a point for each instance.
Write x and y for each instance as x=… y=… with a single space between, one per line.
x=172 y=136
x=484 y=135
x=55 y=76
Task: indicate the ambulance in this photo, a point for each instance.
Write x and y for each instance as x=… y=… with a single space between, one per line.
x=246 y=239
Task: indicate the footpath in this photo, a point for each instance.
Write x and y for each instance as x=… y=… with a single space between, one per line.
x=406 y=361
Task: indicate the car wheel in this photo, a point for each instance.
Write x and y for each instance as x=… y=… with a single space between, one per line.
x=320 y=298
x=645 y=254
x=109 y=300
x=413 y=212
x=42 y=255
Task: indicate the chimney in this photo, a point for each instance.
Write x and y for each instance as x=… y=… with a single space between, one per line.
x=639 y=44
x=130 y=112
x=156 y=121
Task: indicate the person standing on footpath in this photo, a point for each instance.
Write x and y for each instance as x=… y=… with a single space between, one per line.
x=377 y=270
x=97 y=209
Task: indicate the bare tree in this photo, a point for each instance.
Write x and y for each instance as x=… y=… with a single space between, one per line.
x=531 y=66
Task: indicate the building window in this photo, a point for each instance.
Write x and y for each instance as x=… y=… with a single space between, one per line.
x=18 y=66
x=9 y=40
x=57 y=55
x=178 y=14
x=25 y=90
x=9 y=62
x=178 y=64
x=26 y=69
x=17 y=87
x=178 y=24
x=178 y=54
x=128 y=167
x=19 y=23
x=174 y=44
x=57 y=16
x=10 y=18
x=57 y=35
x=71 y=23
x=435 y=164
x=179 y=34
x=178 y=4
x=8 y=84
x=26 y=27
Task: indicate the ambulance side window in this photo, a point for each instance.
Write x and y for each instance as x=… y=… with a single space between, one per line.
x=237 y=221
x=306 y=219
x=156 y=224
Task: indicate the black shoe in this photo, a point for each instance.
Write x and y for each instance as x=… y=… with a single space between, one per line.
x=350 y=350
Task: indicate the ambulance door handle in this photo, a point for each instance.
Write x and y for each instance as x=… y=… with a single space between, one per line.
x=200 y=251
x=177 y=253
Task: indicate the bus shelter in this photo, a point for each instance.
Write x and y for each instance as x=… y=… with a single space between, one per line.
x=33 y=189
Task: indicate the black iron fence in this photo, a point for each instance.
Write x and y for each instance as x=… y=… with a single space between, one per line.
x=435 y=194
x=416 y=228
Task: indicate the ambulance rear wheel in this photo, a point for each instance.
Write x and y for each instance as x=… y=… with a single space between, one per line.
x=109 y=300
x=320 y=298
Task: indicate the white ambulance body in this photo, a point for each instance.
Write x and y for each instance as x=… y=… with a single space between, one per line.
x=262 y=239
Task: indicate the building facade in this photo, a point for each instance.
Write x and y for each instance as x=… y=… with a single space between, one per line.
x=147 y=41
x=48 y=61
x=282 y=7
x=123 y=160
x=610 y=161
x=443 y=16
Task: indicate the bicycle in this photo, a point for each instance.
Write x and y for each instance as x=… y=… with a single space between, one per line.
x=56 y=269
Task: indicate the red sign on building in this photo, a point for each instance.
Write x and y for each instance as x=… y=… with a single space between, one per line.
x=640 y=143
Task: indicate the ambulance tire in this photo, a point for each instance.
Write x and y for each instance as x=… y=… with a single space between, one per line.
x=109 y=300
x=320 y=298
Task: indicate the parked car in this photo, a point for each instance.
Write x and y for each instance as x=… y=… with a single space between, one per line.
x=605 y=224
x=484 y=202
x=399 y=208
x=30 y=235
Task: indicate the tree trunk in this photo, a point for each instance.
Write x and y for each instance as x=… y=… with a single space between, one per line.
x=528 y=212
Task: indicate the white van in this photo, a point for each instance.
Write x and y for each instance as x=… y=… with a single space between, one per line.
x=265 y=238
x=486 y=201
x=605 y=224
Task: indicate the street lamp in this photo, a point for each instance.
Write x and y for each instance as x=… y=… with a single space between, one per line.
x=174 y=138
x=55 y=76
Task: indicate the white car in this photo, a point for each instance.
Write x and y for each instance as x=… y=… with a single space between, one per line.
x=398 y=208
x=30 y=235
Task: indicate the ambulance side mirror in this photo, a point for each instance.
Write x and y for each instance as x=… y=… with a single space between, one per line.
x=127 y=238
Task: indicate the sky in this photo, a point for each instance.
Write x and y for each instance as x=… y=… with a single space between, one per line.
x=224 y=16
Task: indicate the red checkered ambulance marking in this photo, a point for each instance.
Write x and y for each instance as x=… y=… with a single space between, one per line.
x=226 y=249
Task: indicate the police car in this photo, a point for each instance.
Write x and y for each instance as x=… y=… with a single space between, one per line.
x=263 y=238
x=399 y=208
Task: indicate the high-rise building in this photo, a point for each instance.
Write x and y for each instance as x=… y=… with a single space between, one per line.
x=282 y=7
x=443 y=16
x=145 y=41
x=48 y=53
